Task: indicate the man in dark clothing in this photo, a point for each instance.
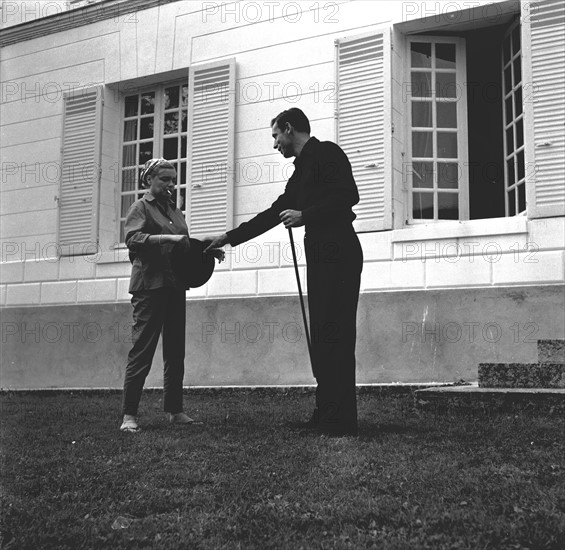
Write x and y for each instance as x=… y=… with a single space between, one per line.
x=320 y=194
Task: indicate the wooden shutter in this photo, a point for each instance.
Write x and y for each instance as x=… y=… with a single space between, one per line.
x=210 y=169
x=364 y=123
x=543 y=29
x=80 y=171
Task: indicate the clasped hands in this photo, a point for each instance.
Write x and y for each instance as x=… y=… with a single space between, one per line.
x=290 y=218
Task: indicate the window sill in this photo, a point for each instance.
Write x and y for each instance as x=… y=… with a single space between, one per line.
x=455 y=229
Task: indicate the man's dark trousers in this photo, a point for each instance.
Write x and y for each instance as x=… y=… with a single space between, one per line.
x=334 y=261
x=154 y=312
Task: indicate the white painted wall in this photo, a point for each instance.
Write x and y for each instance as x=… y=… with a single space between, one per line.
x=282 y=56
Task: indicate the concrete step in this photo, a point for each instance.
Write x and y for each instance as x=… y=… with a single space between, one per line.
x=551 y=351
x=486 y=400
x=522 y=375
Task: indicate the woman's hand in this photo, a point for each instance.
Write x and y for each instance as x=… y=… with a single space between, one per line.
x=168 y=239
x=177 y=239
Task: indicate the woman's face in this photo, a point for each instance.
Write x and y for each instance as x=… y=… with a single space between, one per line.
x=162 y=182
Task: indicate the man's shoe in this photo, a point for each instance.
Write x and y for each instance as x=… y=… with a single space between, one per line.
x=311 y=424
x=129 y=424
x=336 y=430
x=180 y=418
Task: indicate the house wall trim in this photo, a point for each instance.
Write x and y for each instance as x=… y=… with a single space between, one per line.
x=74 y=18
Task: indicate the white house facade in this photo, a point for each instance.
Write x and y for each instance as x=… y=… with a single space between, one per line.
x=451 y=113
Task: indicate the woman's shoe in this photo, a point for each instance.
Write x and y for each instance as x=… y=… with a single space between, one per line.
x=129 y=424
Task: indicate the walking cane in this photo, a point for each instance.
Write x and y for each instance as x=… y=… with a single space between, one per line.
x=301 y=297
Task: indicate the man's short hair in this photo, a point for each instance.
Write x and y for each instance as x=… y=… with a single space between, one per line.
x=295 y=117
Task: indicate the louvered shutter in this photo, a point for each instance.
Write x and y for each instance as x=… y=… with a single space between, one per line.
x=543 y=30
x=211 y=132
x=363 y=123
x=80 y=172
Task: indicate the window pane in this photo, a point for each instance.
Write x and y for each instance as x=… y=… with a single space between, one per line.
x=445 y=56
x=511 y=202
x=131 y=105
x=421 y=54
x=446 y=114
x=148 y=103
x=422 y=113
x=516 y=40
x=127 y=201
x=447 y=145
x=422 y=144
x=182 y=180
x=129 y=156
x=510 y=171
x=509 y=140
x=170 y=148
x=518 y=101
x=508 y=106
x=130 y=130
x=446 y=85
x=146 y=130
x=172 y=123
x=517 y=71
x=423 y=206
x=172 y=97
x=182 y=198
x=448 y=206
x=507 y=79
x=423 y=174
x=184 y=121
x=519 y=133
x=183 y=147
x=122 y=231
x=521 y=198
x=506 y=50
x=145 y=152
x=421 y=84
x=521 y=166
x=447 y=175
x=129 y=179
x=184 y=102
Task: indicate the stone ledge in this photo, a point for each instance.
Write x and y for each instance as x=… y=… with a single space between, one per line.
x=522 y=375
x=488 y=400
x=551 y=351
x=379 y=389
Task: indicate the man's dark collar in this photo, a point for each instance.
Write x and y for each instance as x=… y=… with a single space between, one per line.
x=307 y=149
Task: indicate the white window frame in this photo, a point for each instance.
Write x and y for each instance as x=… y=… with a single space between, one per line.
x=517 y=181
x=462 y=131
x=158 y=136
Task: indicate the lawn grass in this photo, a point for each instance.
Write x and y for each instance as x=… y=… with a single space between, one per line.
x=245 y=479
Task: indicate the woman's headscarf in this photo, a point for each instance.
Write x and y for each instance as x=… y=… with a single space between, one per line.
x=149 y=167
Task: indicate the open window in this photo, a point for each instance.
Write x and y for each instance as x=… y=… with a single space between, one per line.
x=154 y=124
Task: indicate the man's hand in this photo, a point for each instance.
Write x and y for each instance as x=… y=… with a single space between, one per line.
x=291 y=218
x=215 y=242
x=218 y=253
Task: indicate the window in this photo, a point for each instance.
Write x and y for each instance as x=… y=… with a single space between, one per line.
x=154 y=125
x=437 y=141
x=465 y=125
x=514 y=166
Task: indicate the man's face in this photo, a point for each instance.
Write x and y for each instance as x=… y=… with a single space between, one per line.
x=163 y=182
x=283 y=142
